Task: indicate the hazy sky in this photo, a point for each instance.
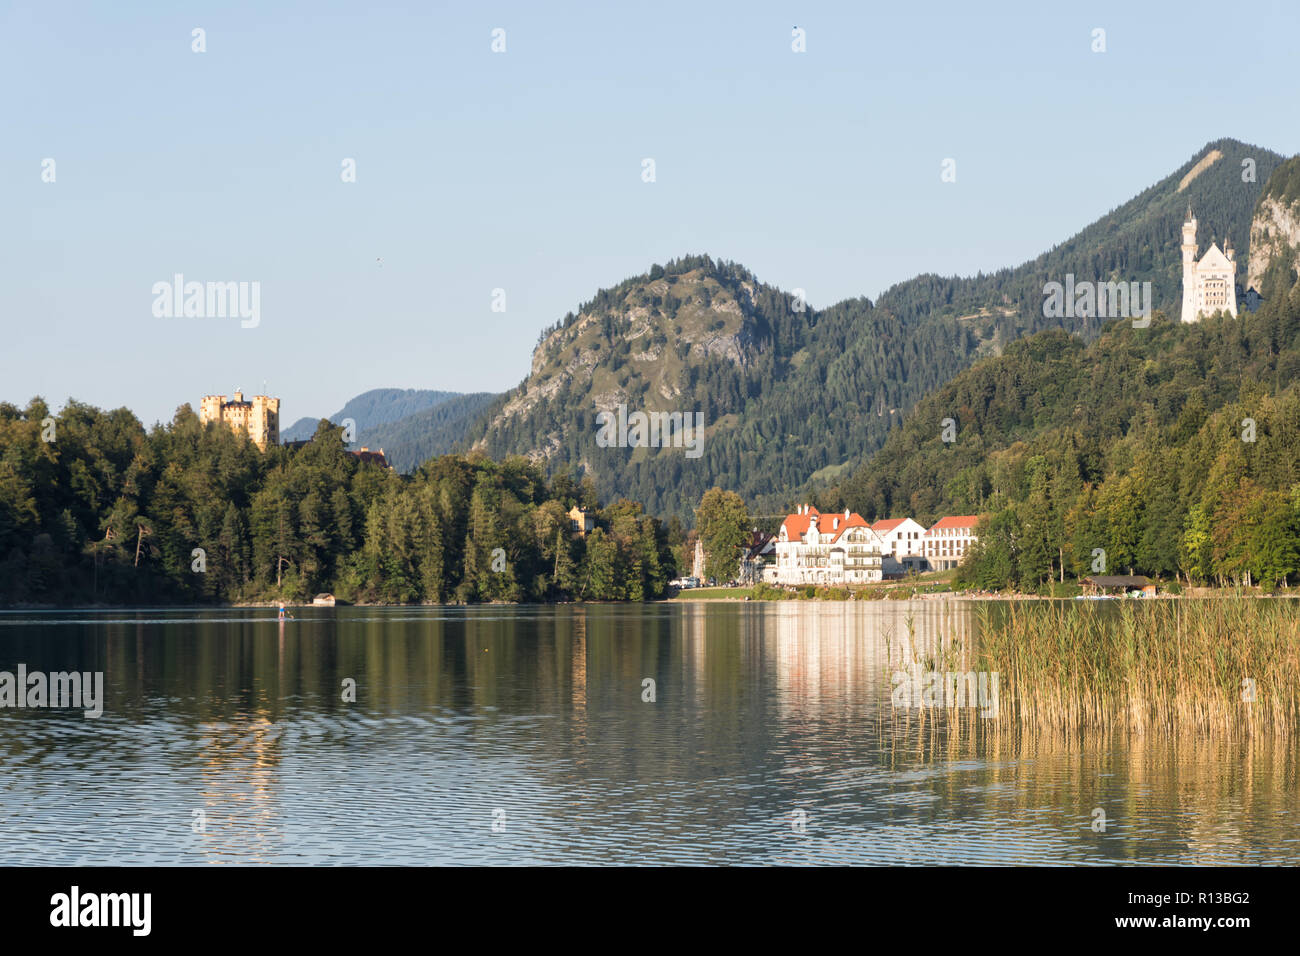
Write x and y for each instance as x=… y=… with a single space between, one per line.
x=522 y=170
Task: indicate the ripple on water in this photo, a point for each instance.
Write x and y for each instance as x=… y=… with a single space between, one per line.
x=762 y=748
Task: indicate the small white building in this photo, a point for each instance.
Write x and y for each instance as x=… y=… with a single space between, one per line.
x=813 y=548
x=946 y=543
x=903 y=541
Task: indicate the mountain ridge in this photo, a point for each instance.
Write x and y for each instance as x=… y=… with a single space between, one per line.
x=373 y=407
x=410 y=425
x=790 y=392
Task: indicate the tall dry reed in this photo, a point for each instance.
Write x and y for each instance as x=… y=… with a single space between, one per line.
x=1223 y=666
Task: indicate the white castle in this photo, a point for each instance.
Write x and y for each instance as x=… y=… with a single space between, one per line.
x=1210 y=285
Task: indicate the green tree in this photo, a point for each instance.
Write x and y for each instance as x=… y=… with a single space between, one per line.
x=723 y=522
x=599 y=573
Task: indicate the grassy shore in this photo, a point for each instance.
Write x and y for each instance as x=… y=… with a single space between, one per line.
x=1219 y=666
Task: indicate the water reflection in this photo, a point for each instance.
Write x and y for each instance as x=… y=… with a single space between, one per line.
x=771 y=739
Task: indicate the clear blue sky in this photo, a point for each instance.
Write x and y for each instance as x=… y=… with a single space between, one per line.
x=522 y=170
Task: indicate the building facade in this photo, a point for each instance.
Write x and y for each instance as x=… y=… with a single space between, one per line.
x=753 y=557
x=813 y=548
x=946 y=543
x=368 y=457
x=904 y=545
x=258 y=418
x=1210 y=284
x=581 y=522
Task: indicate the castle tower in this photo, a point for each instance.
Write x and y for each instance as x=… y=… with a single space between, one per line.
x=264 y=423
x=210 y=408
x=1189 y=267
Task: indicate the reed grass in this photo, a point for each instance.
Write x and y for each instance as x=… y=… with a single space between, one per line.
x=1147 y=666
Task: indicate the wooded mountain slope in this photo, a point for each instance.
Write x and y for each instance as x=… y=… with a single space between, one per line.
x=796 y=398
x=1174 y=449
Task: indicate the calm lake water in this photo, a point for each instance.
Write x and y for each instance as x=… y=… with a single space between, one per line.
x=521 y=736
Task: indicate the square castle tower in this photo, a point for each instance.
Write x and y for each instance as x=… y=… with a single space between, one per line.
x=1209 y=285
x=259 y=418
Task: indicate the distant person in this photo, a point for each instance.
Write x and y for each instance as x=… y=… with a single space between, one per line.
x=282 y=612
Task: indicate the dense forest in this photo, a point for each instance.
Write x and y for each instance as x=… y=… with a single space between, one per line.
x=1174 y=449
x=95 y=509
x=793 y=398
x=782 y=404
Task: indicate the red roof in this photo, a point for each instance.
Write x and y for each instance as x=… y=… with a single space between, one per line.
x=956 y=521
x=369 y=457
x=887 y=525
x=854 y=520
x=796 y=525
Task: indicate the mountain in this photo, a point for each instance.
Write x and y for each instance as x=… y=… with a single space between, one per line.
x=410 y=425
x=378 y=406
x=1173 y=449
x=1136 y=242
x=793 y=397
x=1275 y=231
x=413 y=440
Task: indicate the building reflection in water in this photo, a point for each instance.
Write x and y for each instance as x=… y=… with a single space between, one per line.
x=829 y=654
x=577 y=625
x=240 y=788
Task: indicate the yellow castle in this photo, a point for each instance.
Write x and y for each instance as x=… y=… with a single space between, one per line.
x=259 y=418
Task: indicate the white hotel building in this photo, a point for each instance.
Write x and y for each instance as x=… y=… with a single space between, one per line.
x=842 y=549
x=813 y=548
x=904 y=541
x=947 y=542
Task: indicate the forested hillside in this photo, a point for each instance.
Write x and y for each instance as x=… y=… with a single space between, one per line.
x=1138 y=241
x=796 y=398
x=105 y=512
x=1174 y=449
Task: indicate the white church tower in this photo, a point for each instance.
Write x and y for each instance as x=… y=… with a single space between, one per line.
x=1210 y=285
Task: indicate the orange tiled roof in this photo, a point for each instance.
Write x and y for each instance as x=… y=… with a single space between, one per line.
x=854 y=520
x=956 y=521
x=796 y=525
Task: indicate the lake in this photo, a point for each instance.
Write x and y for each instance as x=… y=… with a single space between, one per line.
x=527 y=735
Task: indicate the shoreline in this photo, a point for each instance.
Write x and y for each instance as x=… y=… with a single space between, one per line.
x=680 y=598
